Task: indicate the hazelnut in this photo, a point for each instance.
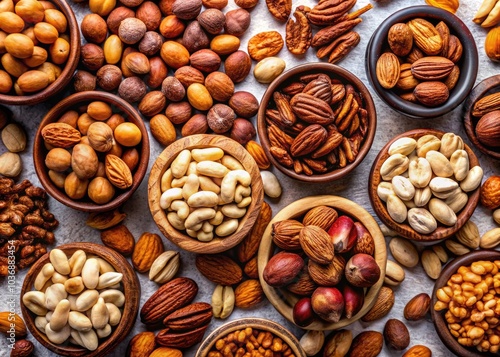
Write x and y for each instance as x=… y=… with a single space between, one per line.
x=205 y=60
x=194 y=37
x=220 y=86
x=58 y=160
x=396 y=334
x=131 y=30
x=188 y=75
x=153 y=103
x=242 y=131
x=150 y=14
x=132 y=89
x=157 y=73
x=166 y=7
x=84 y=81
x=244 y=104
x=116 y=16
x=109 y=77
x=186 y=9
x=220 y=118
x=94 y=28
x=137 y=62
x=100 y=190
x=131 y=3
x=212 y=21
x=237 y=22
x=92 y=56
x=84 y=161
x=74 y=187
x=197 y=124
x=173 y=89
x=216 y=4
x=179 y=112
x=150 y=43
x=237 y=66
x=100 y=136
x=115 y=120
x=172 y=27
x=22 y=348
x=131 y=158
x=488 y=129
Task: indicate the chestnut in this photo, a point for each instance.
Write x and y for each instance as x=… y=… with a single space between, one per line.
x=362 y=270
x=343 y=234
x=303 y=313
x=328 y=303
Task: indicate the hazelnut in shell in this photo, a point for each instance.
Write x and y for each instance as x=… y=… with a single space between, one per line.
x=220 y=118
x=100 y=190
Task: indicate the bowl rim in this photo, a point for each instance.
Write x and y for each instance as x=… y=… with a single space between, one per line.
x=468 y=68
x=254 y=322
x=437 y=317
x=403 y=229
x=481 y=89
x=130 y=284
x=52 y=115
x=282 y=301
x=183 y=241
x=67 y=72
x=344 y=75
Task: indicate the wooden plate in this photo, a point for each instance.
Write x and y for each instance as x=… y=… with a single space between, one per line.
x=283 y=300
x=404 y=229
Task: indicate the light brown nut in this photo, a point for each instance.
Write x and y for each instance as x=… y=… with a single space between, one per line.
x=147 y=249
x=431 y=263
x=248 y=294
x=388 y=70
x=490 y=239
x=404 y=252
x=119 y=238
x=425 y=36
x=468 y=235
x=394 y=273
x=223 y=300
x=165 y=267
x=455 y=247
x=265 y=44
x=421 y=220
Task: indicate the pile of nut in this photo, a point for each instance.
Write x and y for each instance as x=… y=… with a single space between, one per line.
x=427 y=180
x=316 y=124
x=327 y=240
x=204 y=197
x=76 y=299
x=34 y=43
x=92 y=152
x=421 y=64
x=470 y=299
x=487 y=129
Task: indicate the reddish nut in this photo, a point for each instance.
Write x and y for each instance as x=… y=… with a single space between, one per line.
x=282 y=269
x=242 y=131
x=328 y=303
x=343 y=234
x=364 y=240
x=362 y=270
x=303 y=313
x=354 y=299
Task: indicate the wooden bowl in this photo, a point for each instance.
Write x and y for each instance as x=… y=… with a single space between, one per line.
x=488 y=86
x=438 y=316
x=73 y=102
x=404 y=229
x=67 y=72
x=335 y=72
x=255 y=323
x=163 y=162
x=468 y=63
x=131 y=289
x=282 y=299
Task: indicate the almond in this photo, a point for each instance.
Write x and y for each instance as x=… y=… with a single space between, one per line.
x=142 y=344
x=418 y=351
x=119 y=238
x=366 y=344
x=383 y=304
x=321 y=216
x=189 y=317
x=388 y=70
x=197 y=124
x=417 y=307
x=248 y=294
x=117 y=172
x=431 y=94
x=432 y=68
x=248 y=248
x=219 y=268
x=185 y=339
x=251 y=268
x=286 y=234
x=258 y=154
x=147 y=249
x=7 y=319
x=303 y=284
x=317 y=244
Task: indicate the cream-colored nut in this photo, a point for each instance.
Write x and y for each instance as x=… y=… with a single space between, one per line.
x=86 y=300
x=387 y=232
x=233 y=211
x=89 y=339
x=472 y=180
x=176 y=221
x=35 y=302
x=181 y=208
x=76 y=263
x=312 y=342
x=403 y=188
x=245 y=202
x=223 y=301
x=490 y=239
x=14 y=137
x=227 y=227
x=79 y=321
x=420 y=172
x=104 y=332
x=427 y=143
x=422 y=196
x=207 y=184
x=455 y=247
x=99 y=314
x=404 y=252
x=166 y=180
x=90 y=273
x=75 y=338
x=10 y=164
x=54 y=294
x=396 y=208
x=49 y=315
x=217 y=180
x=205 y=236
x=384 y=189
x=109 y=279
x=231 y=163
x=207 y=227
x=203 y=199
x=403 y=146
x=58 y=278
x=191 y=186
x=60 y=316
x=431 y=263
x=104 y=266
x=40 y=323
x=219 y=217
x=410 y=204
x=229 y=182
x=440 y=165
x=192 y=233
x=60 y=261
x=421 y=220
x=272 y=186
x=459 y=161
x=442 y=212
x=180 y=164
x=496 y=216
x=241 y=192
x=57 y=337
x=115 y=314
x=394 y=273
x=457 y=201
x=267 y=69
x=191 y=168
x=450 y=143
x=394 y=165
x=113 y=296
x=47 y=284
x=179 y=183
x=441 y=253
x=170 y=195
x=72 y=300
x=43 y=276
x=468 y=235
x=207 y=154
x=211 y=169
x=443 y=187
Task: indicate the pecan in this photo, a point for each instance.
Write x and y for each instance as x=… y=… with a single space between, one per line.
x=306 y=169
x=338 y=93
x=455 y=49
x=332 y=141
x=280 y=9
x=189 y=317
x=293 y=88
x=328 y=34
x=320 y=88
x=316 y=165
x=308 y=140
x=328 y=11
x=186 y=339
x=332 y=158
x=297 y=167
x=346 y=120
x=298 y=32
x=341 y=157
x=311 y=109
x=282 y=156
x=278 y=138
x=340 y=47
x=285 y=110
x=356 y=122
x=348 y=150
x=273 y=117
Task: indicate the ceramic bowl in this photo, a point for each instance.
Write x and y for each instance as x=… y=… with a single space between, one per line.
x=74 y=102
x=131 y=289
x=404 y=229
x=438 y=316
x=468 y=63
x=163 y=162
x=283 y=300
x=293 y=75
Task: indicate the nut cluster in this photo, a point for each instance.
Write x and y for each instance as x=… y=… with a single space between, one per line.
x=34 y=45
x=14 y=140
x=487 y=129
x=427 y=180
x=316 y=124
x=470 y=299
x=76 y=299
x=92 y=152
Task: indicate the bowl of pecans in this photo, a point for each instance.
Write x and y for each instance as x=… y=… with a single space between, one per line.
x=316 y=122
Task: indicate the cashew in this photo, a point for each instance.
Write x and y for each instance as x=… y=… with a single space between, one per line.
x=104 y=332
x=205 y=237
x=229 y=182
x=89 y=339
x=245 y=202
x=191 y=186
x=60 y=261
x=219 y=217
x=181 y=163
x=180 y=182
x=169 y=195
x=233 y=211
x=227 y=227
x=75 y=338
x=212 y=169
x=207 y=184
x=166 y=180
x=203 y=199
x=99 y=314
x=40 y=323
x=231 y=163
x=207 y=154
x=107 y=280
x=217 y=180
x=198 y=216
x=241 y=192
x=60 y=316
x=113 y=296
x=181 y=207
x=43 y=276
x=176 y=222
x=86 y=300
x=104 y=266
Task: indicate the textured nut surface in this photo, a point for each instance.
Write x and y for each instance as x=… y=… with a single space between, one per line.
x=417 y=307
x=147 y=249
x=383 y=304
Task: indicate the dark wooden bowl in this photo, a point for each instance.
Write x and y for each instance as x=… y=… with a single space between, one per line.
x=131 y=289
x=438 y=316
x=163 y=162
x=404 y=229
x=67 y=71
x=253 y=322
x=487 y=86
x=283 y=300
x=335 y=72
x=468 y=63
x=73 y=102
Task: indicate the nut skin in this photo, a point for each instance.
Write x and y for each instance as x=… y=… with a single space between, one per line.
x=212 y=20
x=366 y=344
x=488 y=129
x=119 y=238
x=383 y=304
x=149 y=13
x=219 y=268
x=92 y=56
x=142 y=344
x=362 y=270
x=328 y=303
x=237 y=22
x=94 y=28
x=220 y=118
x=109 y=77
x=244 y=104
x=396 y=334
x=242 y=131
x=147 y=249
x=132 y=89
x=237 y=66
x=282 y=268
x=303 y=313
x=116 y=16
x=417 y=307
x=490 y=192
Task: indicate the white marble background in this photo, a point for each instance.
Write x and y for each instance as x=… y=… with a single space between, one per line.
x=353 y=187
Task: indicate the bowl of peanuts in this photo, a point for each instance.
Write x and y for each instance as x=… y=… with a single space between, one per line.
x=466 y=304
x=241 y=336
x=205 y=193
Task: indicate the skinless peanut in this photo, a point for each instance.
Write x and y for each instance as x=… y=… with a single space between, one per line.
x=35 y=302
x=169 y=195
x=191 y=186
x=472 y=180
x=86 y=300
x=104 y=332
x=490 y=239
x=89 y=339
x=76 y=263
x=459 y=161
x=427 y=143
x=57 y=337
x=207 y=184
x=396 y=208
x=90 y=273
x=394 y=165
x=384 y=189
x=58 y=278
x=109 y=279
x=203 y=199
x=79 y=321
x=104 y=266
x=420 y=172
x=403 y=188
x=99 y=314
x=450 y=143
x=442 y=212
x=403 y=146
x=457 y=201
x=180 y=164
x=43 y=276
x=74 y=285
x=113 y=296
x=115 y=314
x=60 y=261
x=60 y=316
x=223 y=301
x=54 y=294
x=422 y=196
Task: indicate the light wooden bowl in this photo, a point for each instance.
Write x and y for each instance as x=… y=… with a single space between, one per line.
x=404 y=229
x=282 y=299
x=438 y=319
x=253 y=322
x=131 y=289
x=163 y=162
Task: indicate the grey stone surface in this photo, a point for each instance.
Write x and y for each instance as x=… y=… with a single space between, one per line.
x=353 y=187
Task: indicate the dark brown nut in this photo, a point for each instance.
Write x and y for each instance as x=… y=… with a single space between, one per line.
x=214 y=4
x=237 y=22
x=242 y=131
x=151 y=43
x=432 y=93
x=417 y=307
x=109 y=77
x=173 y=89
x=194 y=37
x=137 y=63
x=220 y=86
x=132 y=89
x=186 y=9
x=179 y=112
x=220 y=118
x=92 y=56
x=157 y=73
x=166 y=7
x=205 y=60
x=396 y=334
x=150 y=14
x=244 y=104
x=22 y=348
x=197 y=124
x=237 y=66
x=212 y=20
x=84 y=81
x=188 y=75
x=152 y=103
x=94 y=28
x=116 y=16
x=131 y=30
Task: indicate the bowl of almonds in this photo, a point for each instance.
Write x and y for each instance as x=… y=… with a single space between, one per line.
x=422 y=61
x=91 y=151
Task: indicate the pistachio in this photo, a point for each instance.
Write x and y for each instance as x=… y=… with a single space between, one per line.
x=456 y=247
x=384 y=189
x=165 y=267
x=394 y=165
x=14 y=137
x=439 y=163
x=441 y=253
x=490 y=239
x=223 y=301
x=427 y=143
x=394 y=273
x=420 y=172
x=403 y=146
x=421 y=220
x=442 y=212
x=459 y=161
x=396 y=208
x=312 y=342
x=422 y=196
x=403 y=188
x=431 y=263
x=404 y=252
x=472 y=180
x=468 y=235
x=386 y=231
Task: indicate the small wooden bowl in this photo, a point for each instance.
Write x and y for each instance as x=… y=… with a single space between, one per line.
x=468 y=63
x=438 y=316
x=67 y=72
x=131 y=289
x=255 y=323
x=73 y=102
x=335 y=72
x=489 y=85
x=163 y=162
x=404 y=229
x=282 y=299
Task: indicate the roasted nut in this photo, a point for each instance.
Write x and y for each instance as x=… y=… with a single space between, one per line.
x=417 y=307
